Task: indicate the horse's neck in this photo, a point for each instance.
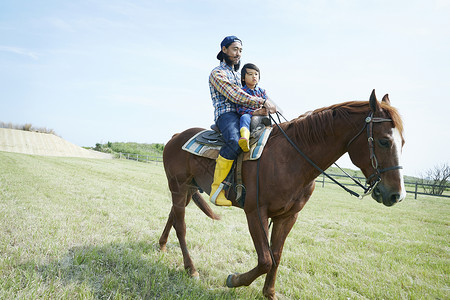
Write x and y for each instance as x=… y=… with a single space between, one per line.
x=327 y=151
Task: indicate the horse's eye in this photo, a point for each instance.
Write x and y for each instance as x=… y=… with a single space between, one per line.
x=385 y=143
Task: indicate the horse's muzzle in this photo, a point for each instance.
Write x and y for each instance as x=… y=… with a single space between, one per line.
x=386 y=196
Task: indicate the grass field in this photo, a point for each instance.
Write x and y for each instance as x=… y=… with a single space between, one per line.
x=88 y=229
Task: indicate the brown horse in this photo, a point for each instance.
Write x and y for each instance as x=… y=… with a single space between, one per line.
x=286 y=179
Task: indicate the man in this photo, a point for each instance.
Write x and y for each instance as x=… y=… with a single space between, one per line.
x=225 y=87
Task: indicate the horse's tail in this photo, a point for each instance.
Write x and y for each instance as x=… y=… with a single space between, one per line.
x=201 y=203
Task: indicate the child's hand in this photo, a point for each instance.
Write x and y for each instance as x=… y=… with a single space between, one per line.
x=270 y=106
x=260 y=112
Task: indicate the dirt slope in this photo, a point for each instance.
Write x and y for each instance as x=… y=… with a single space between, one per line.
x=12 y=140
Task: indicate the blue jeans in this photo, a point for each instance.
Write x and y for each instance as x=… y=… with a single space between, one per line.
x=228 y=124
x=245 y=121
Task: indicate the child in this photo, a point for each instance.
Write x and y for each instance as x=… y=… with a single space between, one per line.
x=250 y=79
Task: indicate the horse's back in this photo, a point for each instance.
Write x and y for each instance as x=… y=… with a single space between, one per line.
x=178 y=140
x=173 y=153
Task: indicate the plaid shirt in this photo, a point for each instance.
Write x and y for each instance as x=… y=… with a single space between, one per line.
x=226 y=92
x=258 y=92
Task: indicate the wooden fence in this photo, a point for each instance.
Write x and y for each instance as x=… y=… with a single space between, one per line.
x=139 y=157
x=415 y=188
x=411 y=187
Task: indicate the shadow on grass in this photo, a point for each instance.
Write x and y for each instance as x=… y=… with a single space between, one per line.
x=117 y=271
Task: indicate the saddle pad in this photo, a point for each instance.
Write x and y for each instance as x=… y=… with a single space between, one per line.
x=212 y=151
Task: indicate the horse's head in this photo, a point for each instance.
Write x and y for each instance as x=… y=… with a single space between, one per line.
x=377 y=149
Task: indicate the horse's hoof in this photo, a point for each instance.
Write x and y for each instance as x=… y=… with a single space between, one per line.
x=229 y=283
x=271 y=296
x=195 y=275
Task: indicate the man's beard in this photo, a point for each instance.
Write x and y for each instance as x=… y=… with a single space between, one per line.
x=229 y=62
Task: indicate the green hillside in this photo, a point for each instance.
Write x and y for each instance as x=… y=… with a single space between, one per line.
x=132 y=148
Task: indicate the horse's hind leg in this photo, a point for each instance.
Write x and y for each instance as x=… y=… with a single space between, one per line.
x=176 y=219
x=180 y=228
x=165 y=234
x=170 y=222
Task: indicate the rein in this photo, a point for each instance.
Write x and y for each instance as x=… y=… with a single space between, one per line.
x=376 y=175
x=367 y=190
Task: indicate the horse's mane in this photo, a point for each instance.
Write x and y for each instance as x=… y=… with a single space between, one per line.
x=314 y=125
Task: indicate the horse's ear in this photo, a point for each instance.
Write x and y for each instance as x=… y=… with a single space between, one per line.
x=373 y=102
x=386 y=99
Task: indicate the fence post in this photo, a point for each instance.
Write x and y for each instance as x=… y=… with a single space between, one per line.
x=323 y=180
x=415 y=192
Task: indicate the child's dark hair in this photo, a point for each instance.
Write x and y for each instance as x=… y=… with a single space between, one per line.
x=244 y=71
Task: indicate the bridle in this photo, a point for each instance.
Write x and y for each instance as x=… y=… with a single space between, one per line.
x=375 y=178
x=372 y=180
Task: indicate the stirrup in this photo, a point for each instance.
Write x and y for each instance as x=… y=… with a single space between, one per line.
x=216 y=194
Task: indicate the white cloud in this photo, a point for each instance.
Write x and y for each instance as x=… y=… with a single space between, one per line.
x=19 y=51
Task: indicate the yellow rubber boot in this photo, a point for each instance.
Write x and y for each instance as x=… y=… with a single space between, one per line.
x=244 y=141
x=217 y=195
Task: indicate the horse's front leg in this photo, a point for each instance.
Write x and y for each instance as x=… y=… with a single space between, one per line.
x=259 y=238
x=280 y=231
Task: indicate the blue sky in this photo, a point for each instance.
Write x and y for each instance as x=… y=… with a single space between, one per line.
x=137 y=71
